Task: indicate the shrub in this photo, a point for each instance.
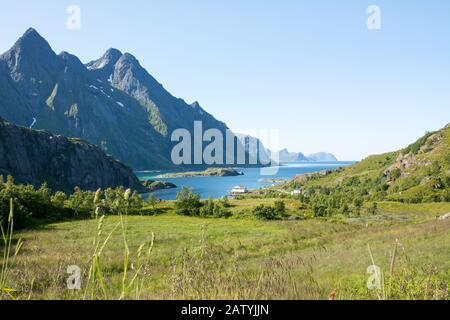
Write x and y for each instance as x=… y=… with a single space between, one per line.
x=395 y=174
x=263 y=212
x=152 y=200
x=225 y=202
x=415 y=147
x=280 y=208
x=188 y=203
x=373 y=208
x=31 y=205
x=214 y=209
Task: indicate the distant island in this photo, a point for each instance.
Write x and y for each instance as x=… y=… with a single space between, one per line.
x=265 y=155
x=286 y=156
x=211 y=172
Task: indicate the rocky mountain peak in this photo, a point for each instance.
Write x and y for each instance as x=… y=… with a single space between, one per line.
x=42 y=90
x=129 y=58
x=32 y=37
x=196 y=105
x=31 y=44
x=107 y=61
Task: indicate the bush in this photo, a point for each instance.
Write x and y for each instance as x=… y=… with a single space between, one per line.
x=415 y=147
x=373 y=208
x=280 y=208
x=214 y=209
x=395 y=174
x=152 y=200
x=225 y=202
x=188 y=203
x=31 y=205
x=263 y=212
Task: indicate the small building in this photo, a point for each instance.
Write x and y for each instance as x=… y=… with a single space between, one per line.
x=238 y=191
x=296 y=192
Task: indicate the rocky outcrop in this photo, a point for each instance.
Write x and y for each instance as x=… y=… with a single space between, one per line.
x=35 y=157
x=305 y=177
x=153 y=185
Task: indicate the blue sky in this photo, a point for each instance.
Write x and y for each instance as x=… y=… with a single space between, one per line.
x=310 y=69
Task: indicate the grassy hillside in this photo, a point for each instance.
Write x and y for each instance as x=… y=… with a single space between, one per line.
x=419 y=173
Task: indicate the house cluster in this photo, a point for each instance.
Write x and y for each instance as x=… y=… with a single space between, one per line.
x=238 y=191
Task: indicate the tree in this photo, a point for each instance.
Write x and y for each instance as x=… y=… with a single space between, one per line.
x=188 y=203
x=59 y=199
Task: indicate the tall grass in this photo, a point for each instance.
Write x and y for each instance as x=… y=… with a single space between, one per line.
x=403 y=280
x=209 y=269
x=131 y=283
x=205 y=272
x=8 y=255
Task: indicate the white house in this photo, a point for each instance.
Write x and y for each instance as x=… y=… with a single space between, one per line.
x=296 y=192
x=238 y=190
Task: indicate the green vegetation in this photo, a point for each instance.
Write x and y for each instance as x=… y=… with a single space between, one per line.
x=42 y=205
x=418 y=174
x=177 y=257
x=386 y=211
x=277 y=211
x=188 y=203
x=220 y=172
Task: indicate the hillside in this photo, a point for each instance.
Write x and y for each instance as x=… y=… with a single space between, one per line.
x=415 y=174
x=112 y=102
x=35 y=157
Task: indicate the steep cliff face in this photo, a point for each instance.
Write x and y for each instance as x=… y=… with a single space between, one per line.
x=36 y=157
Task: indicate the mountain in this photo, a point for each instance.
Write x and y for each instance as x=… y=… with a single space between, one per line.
x=322 y=157
x=286 y=156
x=112 y=102
x=417 y=173
x=166 y=113
x=256 y=149
x=35 y=157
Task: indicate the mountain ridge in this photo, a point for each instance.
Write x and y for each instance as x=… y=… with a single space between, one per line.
x=286 y=156
x=112 y=102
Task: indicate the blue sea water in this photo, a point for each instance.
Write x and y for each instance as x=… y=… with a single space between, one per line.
x=218 y=187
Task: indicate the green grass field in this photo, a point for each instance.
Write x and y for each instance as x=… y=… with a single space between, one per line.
x=240 y=257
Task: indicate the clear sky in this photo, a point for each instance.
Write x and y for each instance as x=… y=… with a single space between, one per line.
x=310 y=69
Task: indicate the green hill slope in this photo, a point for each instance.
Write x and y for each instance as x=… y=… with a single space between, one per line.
x=419 y=173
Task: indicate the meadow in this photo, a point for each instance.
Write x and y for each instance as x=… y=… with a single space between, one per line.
x=168 y=256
